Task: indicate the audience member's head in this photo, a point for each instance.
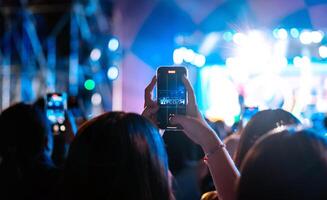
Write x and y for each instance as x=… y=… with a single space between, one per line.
x=260 y=124
x=26 y=170
x=24 y=133
x=117 y=156
x=285 y=164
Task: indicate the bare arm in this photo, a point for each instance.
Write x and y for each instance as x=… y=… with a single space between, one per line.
x=221 y=166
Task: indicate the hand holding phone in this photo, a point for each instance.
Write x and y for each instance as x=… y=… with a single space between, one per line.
x=56 y=106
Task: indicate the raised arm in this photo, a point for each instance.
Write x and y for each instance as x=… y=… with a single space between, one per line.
x=222 y=168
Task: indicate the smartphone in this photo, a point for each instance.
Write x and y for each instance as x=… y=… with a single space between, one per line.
x=56 y=106
x=248 y=113
x=171 y=95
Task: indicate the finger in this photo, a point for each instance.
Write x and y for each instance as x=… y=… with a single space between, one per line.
x=153 y=109
x=148 y=91
x=190 y=91
x=181 y=120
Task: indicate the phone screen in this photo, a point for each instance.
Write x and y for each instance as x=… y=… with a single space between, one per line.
x=56 y=105
x=171 y=95
x=248 y=113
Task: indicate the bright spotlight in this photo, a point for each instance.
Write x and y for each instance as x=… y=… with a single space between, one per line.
x=228 y=36
x=297 y=61
x=199 y=60
x=282 y=34
x=317 y=36
x=62 y=128
x=301 y=61
x=239 y=38
x=96 y=99
x=178 y=56
x=113 y=44
x=189 y=55
x=305 y=37
x=95 y=54
x=112 y=73
x=295 y=33
x=323 y=51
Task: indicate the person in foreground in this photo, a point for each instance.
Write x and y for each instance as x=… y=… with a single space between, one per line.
x=26 y=169
x=117 y=156
x=288 y=159
x=286 y=164
x=224 y=172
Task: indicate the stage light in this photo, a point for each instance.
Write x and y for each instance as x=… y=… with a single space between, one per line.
x=112 y=73
x=89 y=84
x=209 y=43
x=305 y=37
x=317 y=36
x=55 y=128
x=275 y=33
x=189 y=55
x=301 y=61
x=178 y=55
x=199 y=60
x=230 y=62
x=62 y=128
x=228 y=36
x=95 y=54
x=323 y=51
x=254 y=52
x=297 y=61
x=96 y=99
x=282 y=34
x=239 y=38
x=113 y=44
x=295 y=33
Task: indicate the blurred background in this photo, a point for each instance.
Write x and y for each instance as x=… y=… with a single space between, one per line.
x=239 y=53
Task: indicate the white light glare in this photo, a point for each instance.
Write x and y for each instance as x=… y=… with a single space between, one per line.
x=96 y=99
x=239 y=38
x=178 y=55
x=301 y=61
x=317 y=36
x=112 y=73
x=282 y=34
x=305 y=37
x=199 y=60
x=95 y=54
x=189 y=55
x=323 y=51
x=113 y=44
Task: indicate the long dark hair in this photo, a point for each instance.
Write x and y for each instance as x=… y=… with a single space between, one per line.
x=117 y=156
x=260 y=124
x=287 y=164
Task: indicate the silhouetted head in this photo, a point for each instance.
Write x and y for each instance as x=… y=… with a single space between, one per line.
x=24 y=133
x=117 y=156
x=259 y=125
x=285 y=164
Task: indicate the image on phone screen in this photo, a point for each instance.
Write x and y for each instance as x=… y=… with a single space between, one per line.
x=171 y=95
x=56 y=105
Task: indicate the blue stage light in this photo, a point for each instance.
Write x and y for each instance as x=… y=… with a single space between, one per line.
x=95 y=54
x=113 y=44
x=228 y=36
x=112 y=73
x=295 y=33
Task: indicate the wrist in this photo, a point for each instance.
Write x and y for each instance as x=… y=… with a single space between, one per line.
x=211 y=143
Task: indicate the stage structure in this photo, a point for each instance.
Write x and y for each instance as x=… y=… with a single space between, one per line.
x=49 y=46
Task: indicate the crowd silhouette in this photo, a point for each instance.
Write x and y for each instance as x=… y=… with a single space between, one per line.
x=121 y=155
